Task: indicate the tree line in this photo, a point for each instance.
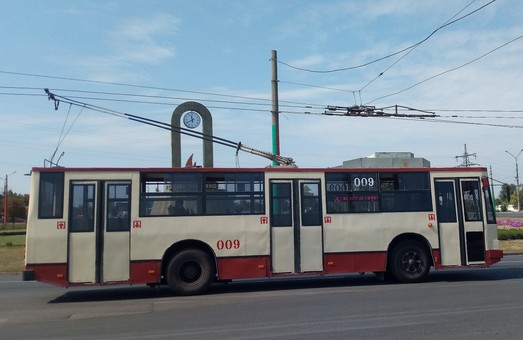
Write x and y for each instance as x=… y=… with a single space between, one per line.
x=508 y=196
x=16 y=207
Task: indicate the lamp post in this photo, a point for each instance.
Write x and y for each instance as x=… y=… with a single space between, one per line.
x=6 y=193
x=517 y=175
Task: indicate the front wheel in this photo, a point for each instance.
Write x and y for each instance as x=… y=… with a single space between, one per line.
x=409 y=262
x=190 y=272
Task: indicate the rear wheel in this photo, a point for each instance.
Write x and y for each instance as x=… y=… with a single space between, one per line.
x=190 y=272
x=409 y=262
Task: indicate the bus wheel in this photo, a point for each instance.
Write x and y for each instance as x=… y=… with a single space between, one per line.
x=409 y=262
x=190 y=272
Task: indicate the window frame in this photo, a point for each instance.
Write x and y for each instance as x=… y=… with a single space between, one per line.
x=387 y=192
x=55 y=193
x=239 y=189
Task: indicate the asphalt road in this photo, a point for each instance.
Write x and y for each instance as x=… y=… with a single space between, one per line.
x=464 y=304
x=503 y=215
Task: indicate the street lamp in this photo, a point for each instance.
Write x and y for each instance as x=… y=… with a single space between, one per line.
x=6 y=192
x=517 y=175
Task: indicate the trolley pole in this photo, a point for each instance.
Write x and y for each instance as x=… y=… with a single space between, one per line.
x=275 y=108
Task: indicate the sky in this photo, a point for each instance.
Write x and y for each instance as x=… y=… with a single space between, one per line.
x=457 y=59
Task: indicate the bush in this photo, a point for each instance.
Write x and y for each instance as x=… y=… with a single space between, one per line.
x=510 y=234
x=510 y=229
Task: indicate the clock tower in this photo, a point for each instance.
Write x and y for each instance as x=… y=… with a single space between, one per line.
x=191 y=114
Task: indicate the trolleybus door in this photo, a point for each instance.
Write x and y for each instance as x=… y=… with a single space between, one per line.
x=460 y=221
x=296 y=226
x=99 y=232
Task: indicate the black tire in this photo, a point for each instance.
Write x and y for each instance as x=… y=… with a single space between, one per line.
x=409 y=262
x=190 y=272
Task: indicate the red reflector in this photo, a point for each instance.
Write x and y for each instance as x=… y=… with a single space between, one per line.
x=60 y=276
x=330 y=263
x=151 y=272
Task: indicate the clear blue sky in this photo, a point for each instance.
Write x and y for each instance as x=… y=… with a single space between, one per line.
x=218 y=53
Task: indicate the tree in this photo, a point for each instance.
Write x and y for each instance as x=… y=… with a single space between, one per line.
x=16 y=206
x=514 y=199
x=506 y=192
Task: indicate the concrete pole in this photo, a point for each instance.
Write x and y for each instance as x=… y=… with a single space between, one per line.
x=275 y=108
x=517 y=177
x=5 y=200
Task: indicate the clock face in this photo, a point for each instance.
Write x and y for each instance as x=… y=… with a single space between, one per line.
x=191 y=119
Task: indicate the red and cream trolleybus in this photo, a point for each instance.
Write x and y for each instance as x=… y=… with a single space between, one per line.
x=189 y=227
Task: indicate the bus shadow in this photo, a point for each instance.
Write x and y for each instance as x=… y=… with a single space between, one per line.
x=93 y=294
x=485 y=274
x=117 y=293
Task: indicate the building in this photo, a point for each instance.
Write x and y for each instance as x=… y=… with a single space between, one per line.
x=388 y=160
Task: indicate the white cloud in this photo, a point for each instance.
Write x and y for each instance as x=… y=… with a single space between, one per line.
x=133 y=42
x=145 y=40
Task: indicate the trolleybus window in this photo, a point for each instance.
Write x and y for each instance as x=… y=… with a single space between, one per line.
x=311 y=204
x=378 y=192
x=118 y=207
x=281 y=204
x=81 y=214
x=445 y=201
x=405 y=191
x=183 y=194
x=491 y=217
x=51 y=197
x=234 y=194
x=471 y=200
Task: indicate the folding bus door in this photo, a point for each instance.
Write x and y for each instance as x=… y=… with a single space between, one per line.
x=296 y=226
x=460 y=221
x=99 y=231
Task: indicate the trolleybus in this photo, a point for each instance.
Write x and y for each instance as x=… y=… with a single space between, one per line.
x=190 y=227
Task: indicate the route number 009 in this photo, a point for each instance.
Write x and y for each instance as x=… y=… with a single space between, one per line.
x=228 y=244
x=363 y=182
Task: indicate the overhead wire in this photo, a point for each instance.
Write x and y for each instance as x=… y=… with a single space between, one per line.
x=284 y=104
x=320 y=109
x=266 y=100
x=391 y=54
x=412 y=49
x=214 y=139
x=407 y=51
x=447 y=71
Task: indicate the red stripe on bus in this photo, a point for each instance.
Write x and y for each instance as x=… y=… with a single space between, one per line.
x=355 y=262
x=146 y=271
x=243 y=267
x=55 y=274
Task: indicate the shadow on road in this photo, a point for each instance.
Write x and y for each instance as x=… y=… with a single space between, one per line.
x=90 y=294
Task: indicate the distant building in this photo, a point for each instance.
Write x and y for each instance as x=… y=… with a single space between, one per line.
x=388 y=160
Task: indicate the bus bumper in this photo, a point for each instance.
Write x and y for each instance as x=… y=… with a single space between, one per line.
x=494 y=256
x=28 y=275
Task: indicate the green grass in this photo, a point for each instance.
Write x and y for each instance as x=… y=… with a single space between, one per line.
x=12 y=240
x=13 y=226
x=12 y=259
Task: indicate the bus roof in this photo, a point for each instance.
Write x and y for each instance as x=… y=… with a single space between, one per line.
x=266 y=169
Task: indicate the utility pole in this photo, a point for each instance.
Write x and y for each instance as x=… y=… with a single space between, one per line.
x=466 y=156
x=6 y=193
x=517 y=176
x=492 y=194
x=5 y=200
x=275 y=108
